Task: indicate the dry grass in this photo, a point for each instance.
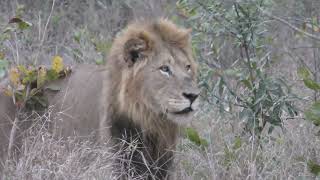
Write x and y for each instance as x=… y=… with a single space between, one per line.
x=45 y=157
x=281 y=155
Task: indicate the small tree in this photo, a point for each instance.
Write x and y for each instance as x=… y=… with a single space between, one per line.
x=260 y=98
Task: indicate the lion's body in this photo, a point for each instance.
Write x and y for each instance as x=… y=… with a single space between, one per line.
x=76 y=107
x=136 y=98
x=7 y=114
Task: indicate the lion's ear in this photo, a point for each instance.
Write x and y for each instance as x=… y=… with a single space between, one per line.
x=137 y=48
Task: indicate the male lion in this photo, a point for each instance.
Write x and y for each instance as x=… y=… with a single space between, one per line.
x=147 y=88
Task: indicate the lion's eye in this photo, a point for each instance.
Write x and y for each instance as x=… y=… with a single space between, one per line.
x=188 y=67
x=165 y=69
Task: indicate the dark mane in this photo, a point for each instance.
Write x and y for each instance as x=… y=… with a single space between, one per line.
x=145 y=159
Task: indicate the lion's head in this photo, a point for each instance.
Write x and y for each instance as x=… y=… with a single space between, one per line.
x=155 y=70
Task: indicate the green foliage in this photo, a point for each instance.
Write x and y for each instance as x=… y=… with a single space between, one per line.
x=256 y=96
x=21 y=24
x=3 y=65
x=27 y=83
x=314 y=168
x=307 y=80
x=17 y=23
x=194 y=137
x=231 y=153
x=313 y=113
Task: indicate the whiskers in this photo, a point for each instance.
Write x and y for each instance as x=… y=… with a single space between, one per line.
x=178 y=104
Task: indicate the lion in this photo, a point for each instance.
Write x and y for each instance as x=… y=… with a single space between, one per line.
x=146 y=90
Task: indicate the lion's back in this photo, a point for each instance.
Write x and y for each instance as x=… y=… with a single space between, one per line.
x=76 y=107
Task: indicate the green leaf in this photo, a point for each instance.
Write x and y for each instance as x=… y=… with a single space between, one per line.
x=193 y=11
x=292 y=110
x=53 y=87
x=52 y=75
x=30 y=77
x=102 y=46
x=22 y=69
x=8 y=29
x=22 y=24
x=315 y=25
x=20 y=10
x=311 y=84
x=237 y=143
x=77 y=36
x=232 y=72
x=3 y=63
x=42 y=75
x=229 y=156
x=313 y=113
x=3 y=67
x=303 y=73
x=194 y=137
x=314 y=167
x=221 y=86
x=39 y=100
x=99 y=61
x=2 y=73
x=271 y=128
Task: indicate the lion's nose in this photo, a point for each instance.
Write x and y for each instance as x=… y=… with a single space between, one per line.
x=190 y=96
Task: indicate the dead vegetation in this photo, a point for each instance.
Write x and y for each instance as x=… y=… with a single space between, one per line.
x=82 y=32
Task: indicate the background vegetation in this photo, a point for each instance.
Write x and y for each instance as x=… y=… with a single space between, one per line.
x=259 y=74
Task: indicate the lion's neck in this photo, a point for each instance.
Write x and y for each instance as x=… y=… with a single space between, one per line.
x=155 y=143
x=162 y=132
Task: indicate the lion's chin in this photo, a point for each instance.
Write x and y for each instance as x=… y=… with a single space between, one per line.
x=181 y=117
x=186 y=110
x=184 y=115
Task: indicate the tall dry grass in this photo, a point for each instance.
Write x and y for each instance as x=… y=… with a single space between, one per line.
x=230 y=154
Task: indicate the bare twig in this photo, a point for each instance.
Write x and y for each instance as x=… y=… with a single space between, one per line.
x=12 y=136
x=15 y=122
x=17 y=47
x=44 y=32
x=290 y=25
x=297 y=59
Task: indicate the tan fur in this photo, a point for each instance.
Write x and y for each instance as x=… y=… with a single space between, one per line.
x=132 y=92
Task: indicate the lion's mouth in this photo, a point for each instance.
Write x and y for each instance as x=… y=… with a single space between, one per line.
x=184 y=111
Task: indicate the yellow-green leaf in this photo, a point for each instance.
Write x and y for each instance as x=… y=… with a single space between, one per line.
x=22 y=69
x=14 y=76
x=303 y=73
x=194 y=137
x=8 y=91
x=237 y=143
x=52 y=75
x=311 y=84
x=313 y=113
x=42 y=74
x=22 y=24
x=1 y=55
